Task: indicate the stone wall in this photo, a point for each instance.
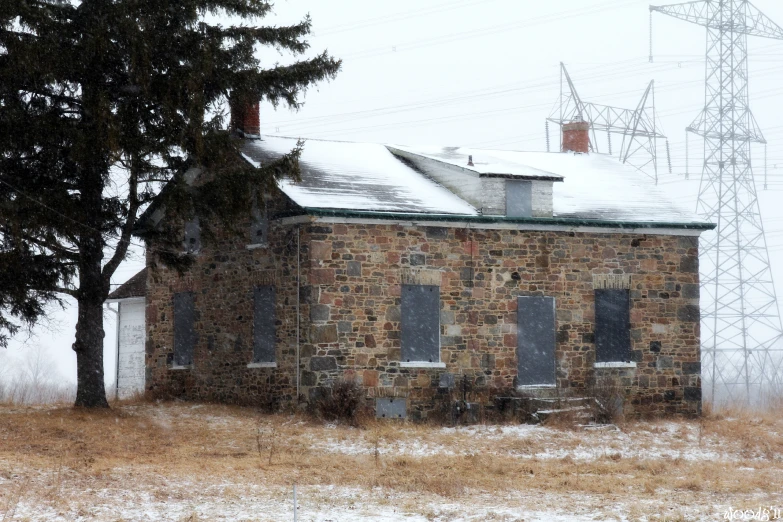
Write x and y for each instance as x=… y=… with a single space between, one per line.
x=350 y=312
x=354 y=301
x=222 y=281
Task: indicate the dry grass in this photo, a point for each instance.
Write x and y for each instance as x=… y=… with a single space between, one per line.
x=19 y=391
x=63 y=460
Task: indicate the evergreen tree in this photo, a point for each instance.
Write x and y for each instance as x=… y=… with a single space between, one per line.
x=103 y=103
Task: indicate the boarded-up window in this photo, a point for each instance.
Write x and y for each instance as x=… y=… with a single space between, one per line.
x=259 y=225
x=519 y=198
x=264 y=324
x=420 y=323
x=612 y=325
x=192 y=242
x=184 y=328
x=536 y=340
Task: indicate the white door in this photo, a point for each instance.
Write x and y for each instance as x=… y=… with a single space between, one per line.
x=130 y=364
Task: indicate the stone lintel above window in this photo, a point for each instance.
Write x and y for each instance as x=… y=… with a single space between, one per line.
x=262 y=365
x=422 y=364
x=619 y=364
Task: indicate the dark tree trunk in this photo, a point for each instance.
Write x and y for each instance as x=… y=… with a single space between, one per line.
x=90 y=390
x=93 y=287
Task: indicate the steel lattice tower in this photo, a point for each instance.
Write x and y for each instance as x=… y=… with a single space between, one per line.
x=640 y=136
x=741 y=328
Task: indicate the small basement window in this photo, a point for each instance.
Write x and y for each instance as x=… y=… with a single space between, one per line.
x=192 y=240
x=264 y=343
x=391 y=408
x=184 y=330
x=519 y=198
x=612 y=325
x=420 y=326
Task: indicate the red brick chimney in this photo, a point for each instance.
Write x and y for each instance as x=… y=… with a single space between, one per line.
x=245 y=119
x=576 y=137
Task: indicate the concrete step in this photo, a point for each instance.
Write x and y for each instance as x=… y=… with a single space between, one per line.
x=579 y=414
x=539 y=403
x=526 y=409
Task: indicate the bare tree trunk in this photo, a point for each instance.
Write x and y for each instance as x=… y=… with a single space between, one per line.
x=93 y=287
x=90 y=387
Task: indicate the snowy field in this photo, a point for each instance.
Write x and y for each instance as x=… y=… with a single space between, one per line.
x=188 y=462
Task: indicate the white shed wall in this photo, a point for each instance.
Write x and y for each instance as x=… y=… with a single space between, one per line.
x=130 y=362
x=493 y=196
x=542 y=199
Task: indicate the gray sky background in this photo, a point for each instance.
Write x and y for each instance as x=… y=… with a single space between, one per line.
x=485 y=73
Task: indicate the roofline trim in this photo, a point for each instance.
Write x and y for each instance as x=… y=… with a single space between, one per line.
x=126 y=299
x=483 y=219
x=523 y=177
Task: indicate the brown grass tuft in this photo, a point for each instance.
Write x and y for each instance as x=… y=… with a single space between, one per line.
x=66 y=455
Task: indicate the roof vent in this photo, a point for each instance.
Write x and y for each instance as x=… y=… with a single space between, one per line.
x=470 y=161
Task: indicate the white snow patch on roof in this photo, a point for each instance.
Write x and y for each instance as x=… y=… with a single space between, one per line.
x=498 y=162
x=356 y=176
x=598 y=186
x=595 y=186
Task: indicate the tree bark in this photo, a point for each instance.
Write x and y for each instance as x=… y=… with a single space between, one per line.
x=90 y=387
x=95 y=165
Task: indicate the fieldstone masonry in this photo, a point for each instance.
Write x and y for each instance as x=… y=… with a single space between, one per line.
x=348 y=304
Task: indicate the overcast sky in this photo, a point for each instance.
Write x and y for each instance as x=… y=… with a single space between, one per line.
x=485 y=73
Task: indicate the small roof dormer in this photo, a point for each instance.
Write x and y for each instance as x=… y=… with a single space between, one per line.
x=493 y=181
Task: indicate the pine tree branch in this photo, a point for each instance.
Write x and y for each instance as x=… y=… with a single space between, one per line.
x=55 y=248
x=67 y=291
x=286 y=82
x=242 y=8
x=67 y=100
x=58 y=250
x=122 y=245
x=286 y=37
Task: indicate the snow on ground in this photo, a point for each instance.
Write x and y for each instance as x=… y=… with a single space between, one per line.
x=548 y=443
x=643 y=471
x=191 y=501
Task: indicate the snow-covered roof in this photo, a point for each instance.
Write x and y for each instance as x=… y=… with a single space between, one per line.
x=369 y=177
x=595 y=186
x=598 y=186
x=134 y=287
x=356 y=176
x=485 y=163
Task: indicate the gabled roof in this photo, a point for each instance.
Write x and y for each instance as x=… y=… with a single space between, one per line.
x=136 y=286
x=364 y=177
x=356 y=176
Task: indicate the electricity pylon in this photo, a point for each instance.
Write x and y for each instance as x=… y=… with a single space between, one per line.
x=639 y=146
x=741 y=329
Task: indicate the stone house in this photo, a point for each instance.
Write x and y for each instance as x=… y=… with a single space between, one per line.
x=418 y=271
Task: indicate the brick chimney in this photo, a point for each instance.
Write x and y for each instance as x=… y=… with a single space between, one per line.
x=576 y=137
x=245 y=119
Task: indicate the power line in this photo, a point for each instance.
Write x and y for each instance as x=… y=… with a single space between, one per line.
x=386 y=19
x=335 y=118
x=495 y=29
x=540 y=85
